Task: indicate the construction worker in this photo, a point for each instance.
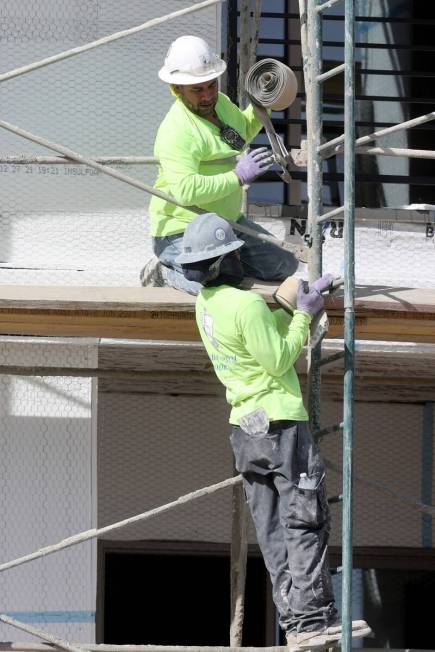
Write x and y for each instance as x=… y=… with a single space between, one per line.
x=253 y=350
x=197 y=145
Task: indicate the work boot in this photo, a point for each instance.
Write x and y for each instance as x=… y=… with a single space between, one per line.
x=323 y=637
x=151 y=274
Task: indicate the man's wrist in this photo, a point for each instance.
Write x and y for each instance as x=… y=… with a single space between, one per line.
x=238 y=179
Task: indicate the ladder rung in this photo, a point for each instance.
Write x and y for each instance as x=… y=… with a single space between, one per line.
x=335 y=499
x=328 y=430
x=331 y=358
x=327 y=5
x=331 y=73
x=327 y=216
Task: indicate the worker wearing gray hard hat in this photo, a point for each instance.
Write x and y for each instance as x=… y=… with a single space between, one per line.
x=253 y=351
x=201 y=145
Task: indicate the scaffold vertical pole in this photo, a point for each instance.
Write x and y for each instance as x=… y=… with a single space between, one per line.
x=311 y=40
x=315 y=186
x=349 y=319
x=240 y=512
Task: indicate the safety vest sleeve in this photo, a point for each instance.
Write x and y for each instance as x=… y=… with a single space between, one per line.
x=275 y=351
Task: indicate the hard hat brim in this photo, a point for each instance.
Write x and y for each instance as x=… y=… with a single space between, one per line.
x=196 y=257
x=185 y=78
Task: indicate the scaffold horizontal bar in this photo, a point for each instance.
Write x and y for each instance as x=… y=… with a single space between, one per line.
x=329 y=430
x=49 y=638
x=330 y=214
x=331 y=73
x=336 y=145
x=397 y=151
x=331 y=358
x=105 y=40
x=384 y=488
x=96 y=532
x=327 y=5
x=335 y=499
x=30 y=646
x=28 y=159
x=25 y=159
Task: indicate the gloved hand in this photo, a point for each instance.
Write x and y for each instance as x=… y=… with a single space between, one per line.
x=253 y=164
x=323 y=283
x=309 y=299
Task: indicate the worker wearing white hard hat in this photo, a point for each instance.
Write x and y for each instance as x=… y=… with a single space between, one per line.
x=190 y=59
x=204 y=161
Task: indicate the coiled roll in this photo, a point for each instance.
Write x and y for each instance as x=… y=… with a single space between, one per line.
x=271 y=84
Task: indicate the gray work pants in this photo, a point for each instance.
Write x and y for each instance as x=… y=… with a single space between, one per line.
x=292 y=524
x=259 y=259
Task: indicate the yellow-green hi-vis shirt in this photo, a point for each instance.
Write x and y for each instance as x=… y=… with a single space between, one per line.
x=185 y=145
x=253 y=350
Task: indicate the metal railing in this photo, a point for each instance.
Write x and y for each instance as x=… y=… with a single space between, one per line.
x=317 y=151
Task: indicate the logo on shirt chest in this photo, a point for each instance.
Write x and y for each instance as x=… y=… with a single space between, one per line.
x=208 y=327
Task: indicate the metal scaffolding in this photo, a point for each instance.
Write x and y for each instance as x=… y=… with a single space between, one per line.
x=317 y=150
x=311 y=41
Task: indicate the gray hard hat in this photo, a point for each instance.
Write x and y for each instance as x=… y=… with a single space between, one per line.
x=207 y=236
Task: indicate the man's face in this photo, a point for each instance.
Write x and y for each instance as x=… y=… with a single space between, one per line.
x=199 y=98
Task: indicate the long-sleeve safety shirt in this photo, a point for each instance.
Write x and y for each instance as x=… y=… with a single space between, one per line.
x=253 y=351
x=186 y=146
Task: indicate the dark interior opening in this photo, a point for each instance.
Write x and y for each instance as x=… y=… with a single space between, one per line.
x=178 y=599
x=423 y=86
x=419 y=591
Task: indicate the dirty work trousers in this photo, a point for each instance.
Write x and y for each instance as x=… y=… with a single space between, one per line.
x=292 y=524
x=259 y=259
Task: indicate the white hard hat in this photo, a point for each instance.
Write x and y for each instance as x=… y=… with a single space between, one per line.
x=191 y=61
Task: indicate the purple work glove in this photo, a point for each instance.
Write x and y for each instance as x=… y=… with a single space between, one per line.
x=253 y=164
x=323 y=283
x=309 y=299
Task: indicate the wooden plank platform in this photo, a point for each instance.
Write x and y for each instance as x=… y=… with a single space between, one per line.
x=381 y=313
x=383 y=369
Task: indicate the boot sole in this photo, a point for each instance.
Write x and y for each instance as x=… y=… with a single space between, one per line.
x=327 y=640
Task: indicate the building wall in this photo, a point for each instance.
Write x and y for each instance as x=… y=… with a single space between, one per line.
x=68 y=465
x=70 y=224
x=153 y=449
x=47 y=492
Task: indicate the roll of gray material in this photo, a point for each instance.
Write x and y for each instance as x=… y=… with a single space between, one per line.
x=271 y=84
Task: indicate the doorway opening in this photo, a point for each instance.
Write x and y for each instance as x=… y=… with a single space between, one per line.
x=172 y=598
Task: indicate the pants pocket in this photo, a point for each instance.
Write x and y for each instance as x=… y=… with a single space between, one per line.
x=309 y=506
x=258 y=454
